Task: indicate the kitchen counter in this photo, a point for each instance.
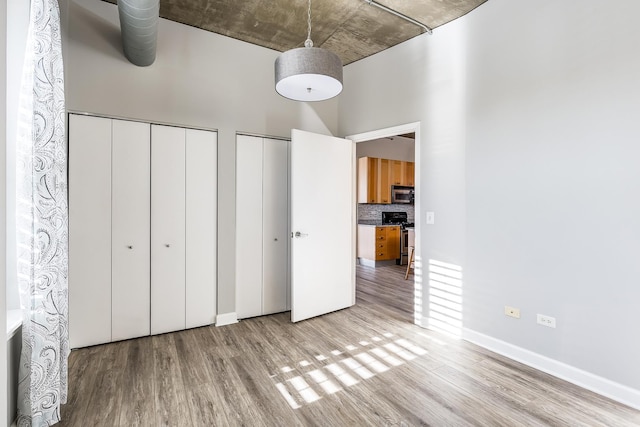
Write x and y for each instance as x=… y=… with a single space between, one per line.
x=378 y=244
x=374 y=223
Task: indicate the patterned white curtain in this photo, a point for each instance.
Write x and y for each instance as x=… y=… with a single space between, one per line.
x=42 y=222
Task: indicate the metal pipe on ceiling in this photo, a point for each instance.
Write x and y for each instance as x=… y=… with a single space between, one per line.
x=399 y=15
x=139 y=28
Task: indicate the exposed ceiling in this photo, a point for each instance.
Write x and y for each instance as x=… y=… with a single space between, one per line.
x=352 y=29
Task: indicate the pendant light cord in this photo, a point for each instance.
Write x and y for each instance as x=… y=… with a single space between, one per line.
x=308 y=42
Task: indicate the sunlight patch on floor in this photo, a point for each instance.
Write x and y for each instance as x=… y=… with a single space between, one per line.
x=311 y=381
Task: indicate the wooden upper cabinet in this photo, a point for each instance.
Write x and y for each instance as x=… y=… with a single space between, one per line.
x=384 y=189
x=376 y=176
x=402 y=173
x=397 y=172
x=409 y=174
x=368 y=180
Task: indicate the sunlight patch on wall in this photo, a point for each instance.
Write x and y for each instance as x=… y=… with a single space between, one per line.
x=417 y=290
x=445 y=297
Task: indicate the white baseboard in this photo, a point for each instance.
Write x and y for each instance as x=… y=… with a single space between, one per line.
x=618 y=392
x=226 y=319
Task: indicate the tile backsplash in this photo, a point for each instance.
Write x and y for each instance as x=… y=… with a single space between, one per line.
x=373 y=212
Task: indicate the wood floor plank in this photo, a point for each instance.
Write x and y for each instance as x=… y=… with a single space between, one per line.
x=83 y=369
x=367 y=365
x=505 y=407
x=236 y=403
x=138 y=388
x=191 y=358
x=204 y=405
x=170 y=400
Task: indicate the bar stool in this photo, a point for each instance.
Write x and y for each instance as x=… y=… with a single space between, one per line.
x=412 y=252
x=410 y=262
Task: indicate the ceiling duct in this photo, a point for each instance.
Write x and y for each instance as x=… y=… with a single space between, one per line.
x=399 y=15
x=139 y=28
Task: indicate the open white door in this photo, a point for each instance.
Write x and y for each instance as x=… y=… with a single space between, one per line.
x=322 y=224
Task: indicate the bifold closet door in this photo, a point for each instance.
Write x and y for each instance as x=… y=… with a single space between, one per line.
x=89 y=230
x=201 y=224
x=248 y=226
x=167 y=229
x=275 y=225
x=262 y=226
x=130 y=211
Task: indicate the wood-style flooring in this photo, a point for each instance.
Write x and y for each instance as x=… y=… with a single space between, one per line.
x=364 y=366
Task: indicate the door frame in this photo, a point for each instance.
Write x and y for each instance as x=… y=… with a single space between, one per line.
x=389 y=132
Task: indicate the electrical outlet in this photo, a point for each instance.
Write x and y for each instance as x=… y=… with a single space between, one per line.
x=546 y=321
x=512 y=312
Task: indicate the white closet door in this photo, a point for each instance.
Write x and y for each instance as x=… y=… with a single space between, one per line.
x=89 y=230
x=248 y=226
x=275 y=226
x=130 y=209
x=201 y=223
x=167 y=229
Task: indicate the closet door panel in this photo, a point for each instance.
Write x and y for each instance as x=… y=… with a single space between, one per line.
x=201 y=224
x=130 y=251
x=89 y=230
x=167 y=229
x=275 y=226
x=248 y=226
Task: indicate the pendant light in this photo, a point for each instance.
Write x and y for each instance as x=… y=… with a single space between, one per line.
x=308 y=73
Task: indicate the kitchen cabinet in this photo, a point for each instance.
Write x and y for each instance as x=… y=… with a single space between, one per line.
x=380 y=243
x=384 y=181
x=409 y=174
x=376 y=176
x=402 y=173
x=398 y=172
x=368 y=180
x=142 y=229
x=393 y=242
x=262 y=225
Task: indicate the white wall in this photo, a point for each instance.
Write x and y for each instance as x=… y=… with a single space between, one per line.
x=3 y=210
x=552 y=179
x=529 y=157
x=398 y=148
x=199 y=79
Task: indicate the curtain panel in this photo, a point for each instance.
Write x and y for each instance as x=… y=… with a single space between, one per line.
x=42 y=222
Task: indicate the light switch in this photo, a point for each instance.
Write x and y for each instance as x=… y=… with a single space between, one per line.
x=431 y=218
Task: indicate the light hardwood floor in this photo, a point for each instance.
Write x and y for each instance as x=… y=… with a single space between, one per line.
x=364 y=366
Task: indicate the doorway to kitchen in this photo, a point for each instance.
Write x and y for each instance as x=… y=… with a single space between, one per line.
x=388 y=203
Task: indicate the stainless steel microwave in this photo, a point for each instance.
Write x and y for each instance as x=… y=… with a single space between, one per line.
x=402 y=194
